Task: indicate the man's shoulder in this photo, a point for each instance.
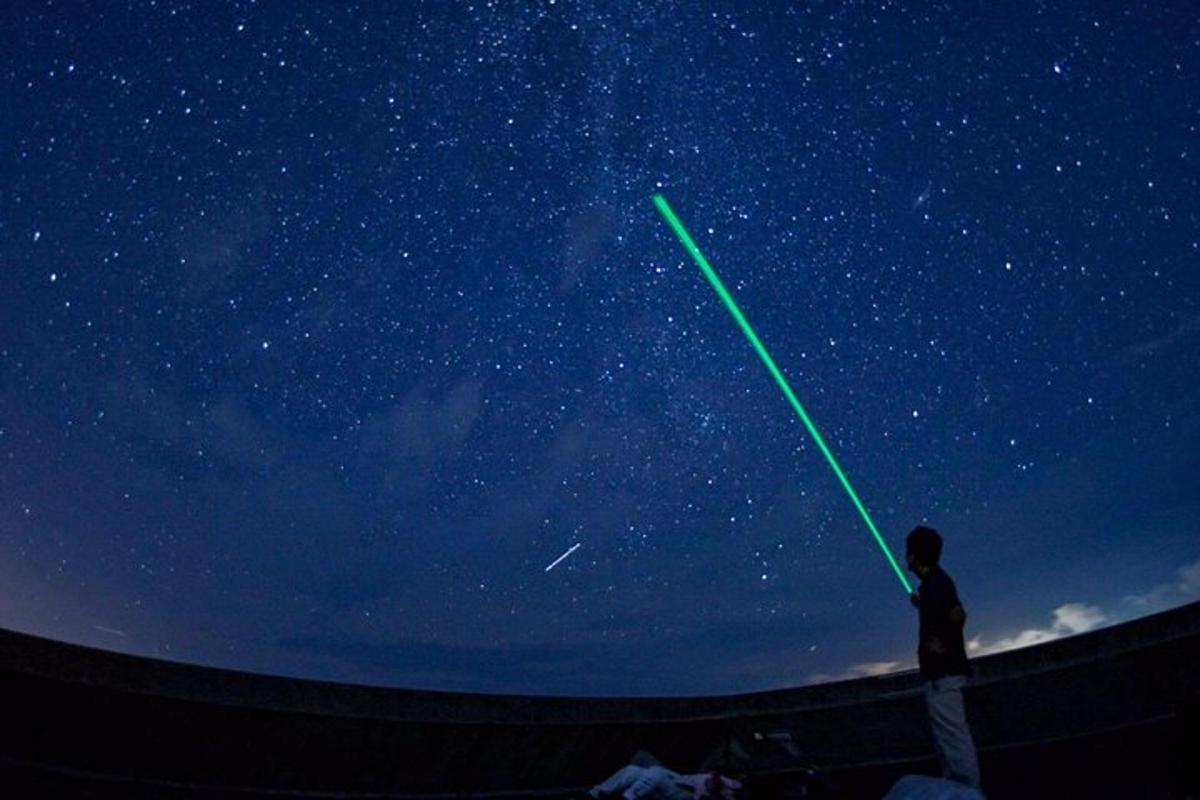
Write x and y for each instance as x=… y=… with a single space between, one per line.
x=938 y=583
x=941 y=576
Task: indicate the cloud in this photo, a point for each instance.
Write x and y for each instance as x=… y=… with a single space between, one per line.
x=111 y=631
x=1073 y=618
x=1184 y=589
x=1068 y=620
x=865 y=669
x=871 y=669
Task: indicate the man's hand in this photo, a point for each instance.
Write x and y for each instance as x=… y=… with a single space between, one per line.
x=935 y=646
x=958 y=615
x=915 y=599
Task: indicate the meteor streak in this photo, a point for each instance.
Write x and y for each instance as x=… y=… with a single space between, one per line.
x=665 y=209
x=558 y=560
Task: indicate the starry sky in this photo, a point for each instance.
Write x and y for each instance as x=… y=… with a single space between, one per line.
x=345 y=341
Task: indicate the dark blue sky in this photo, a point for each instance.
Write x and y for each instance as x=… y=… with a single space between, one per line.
x=325 y=330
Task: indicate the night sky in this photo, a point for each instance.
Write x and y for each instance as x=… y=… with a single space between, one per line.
x=325 y=332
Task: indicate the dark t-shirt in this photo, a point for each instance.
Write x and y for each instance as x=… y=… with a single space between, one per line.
x=937 y=597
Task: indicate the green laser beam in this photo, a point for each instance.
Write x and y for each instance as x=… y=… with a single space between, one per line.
x=699 y=258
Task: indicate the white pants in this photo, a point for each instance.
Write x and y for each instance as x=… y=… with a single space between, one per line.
x=951 y=734
x=651 y=783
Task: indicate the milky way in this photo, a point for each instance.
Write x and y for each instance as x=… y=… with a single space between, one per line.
x=323 y=331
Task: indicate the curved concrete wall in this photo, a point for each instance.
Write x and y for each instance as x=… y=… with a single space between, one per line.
x=77 y=716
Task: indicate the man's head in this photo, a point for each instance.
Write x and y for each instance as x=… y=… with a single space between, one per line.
x=924 y=549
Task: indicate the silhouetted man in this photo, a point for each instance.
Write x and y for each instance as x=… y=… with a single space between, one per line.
x=942 y=656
